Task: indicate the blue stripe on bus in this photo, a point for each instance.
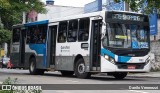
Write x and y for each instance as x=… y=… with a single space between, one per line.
x=36 y=23
x=37 y=47
x=122 y=59
x=40 y=49
x=107 y=52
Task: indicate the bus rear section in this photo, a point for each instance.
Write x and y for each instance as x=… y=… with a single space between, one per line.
x=28 y=49
x=17 y=46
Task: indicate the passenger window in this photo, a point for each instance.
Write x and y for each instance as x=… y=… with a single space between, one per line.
x=62 y=32
x=37 y=34
x=83 y=33
x=42 y=33
x=32 y=33
x=72 y=31
x=16 y=35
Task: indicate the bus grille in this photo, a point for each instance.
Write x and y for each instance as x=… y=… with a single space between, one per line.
x=126 y=65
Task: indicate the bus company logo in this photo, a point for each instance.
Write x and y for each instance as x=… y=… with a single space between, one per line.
x=6 y=87
x=65 y=48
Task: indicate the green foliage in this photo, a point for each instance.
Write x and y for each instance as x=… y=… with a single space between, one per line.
x=5 y=36
x=10 y=81
x=137 y=5
x=11 y=10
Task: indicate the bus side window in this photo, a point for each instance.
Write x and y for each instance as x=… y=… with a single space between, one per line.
x=62 y=32
x=16 y=35
x=42 y=33
x=83 y=33
x=31 y=34
x=72 y=31
x=28 y=36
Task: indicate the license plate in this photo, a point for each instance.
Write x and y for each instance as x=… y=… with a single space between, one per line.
x=131 y=67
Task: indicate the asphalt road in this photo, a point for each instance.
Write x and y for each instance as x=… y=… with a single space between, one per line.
x=24 y=77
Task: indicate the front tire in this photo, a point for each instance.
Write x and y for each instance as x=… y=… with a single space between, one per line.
x=120 y=75
x=80 y=69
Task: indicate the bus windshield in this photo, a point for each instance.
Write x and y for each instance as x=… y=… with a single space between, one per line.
x=126 y=36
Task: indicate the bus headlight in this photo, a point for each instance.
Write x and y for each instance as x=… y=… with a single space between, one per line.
x=106 y=57
x=109 y=59
x=147 y=60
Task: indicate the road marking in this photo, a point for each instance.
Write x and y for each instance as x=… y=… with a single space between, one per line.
x=72 y=81
x=137 y=91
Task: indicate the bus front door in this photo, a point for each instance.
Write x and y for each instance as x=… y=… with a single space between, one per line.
x=95 y=45
x=52 y=45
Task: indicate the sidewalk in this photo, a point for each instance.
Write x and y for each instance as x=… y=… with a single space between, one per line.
x=150 y=74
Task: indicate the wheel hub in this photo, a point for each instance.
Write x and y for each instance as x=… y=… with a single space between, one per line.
x=81 y=68
x=32 y=66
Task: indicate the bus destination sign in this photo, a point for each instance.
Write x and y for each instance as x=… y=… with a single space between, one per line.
x=127 y=17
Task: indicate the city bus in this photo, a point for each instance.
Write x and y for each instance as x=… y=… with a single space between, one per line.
x=111 y=42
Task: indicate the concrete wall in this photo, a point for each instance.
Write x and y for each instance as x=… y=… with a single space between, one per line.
x=155 y=49
x=55 y=11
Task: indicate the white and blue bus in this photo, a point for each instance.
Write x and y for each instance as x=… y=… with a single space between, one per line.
x=110 y=42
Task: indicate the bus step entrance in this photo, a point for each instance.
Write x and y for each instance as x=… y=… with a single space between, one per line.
x=95 y=68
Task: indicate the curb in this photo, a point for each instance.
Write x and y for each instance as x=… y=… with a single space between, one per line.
x=150 y=74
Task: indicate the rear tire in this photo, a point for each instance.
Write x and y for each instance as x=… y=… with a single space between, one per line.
x=67 y=73
x=120 y=75
x=80 y=69
x=32 y=66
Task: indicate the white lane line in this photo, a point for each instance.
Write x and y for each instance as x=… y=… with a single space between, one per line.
x=72 y=81
x=137 y=91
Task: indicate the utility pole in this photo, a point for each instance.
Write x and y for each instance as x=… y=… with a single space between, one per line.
x=24 y=14
x=24 y=18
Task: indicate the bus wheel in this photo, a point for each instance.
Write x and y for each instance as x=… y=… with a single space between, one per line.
x=32 y=66
x=80 y=69
x=67 y=73
x=120 y=75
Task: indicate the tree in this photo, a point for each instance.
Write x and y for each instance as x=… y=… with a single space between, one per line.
x=5 y=36
x=11 y=10
x=147 y=6
x=11 y=13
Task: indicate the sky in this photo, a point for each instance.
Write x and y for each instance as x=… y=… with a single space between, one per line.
x=75 y=3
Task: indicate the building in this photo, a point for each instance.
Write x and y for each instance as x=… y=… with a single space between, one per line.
x=54 y=11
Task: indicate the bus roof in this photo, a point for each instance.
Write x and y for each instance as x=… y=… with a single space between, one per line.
x=92 y=14
x=18 y=25
x=36 y=23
